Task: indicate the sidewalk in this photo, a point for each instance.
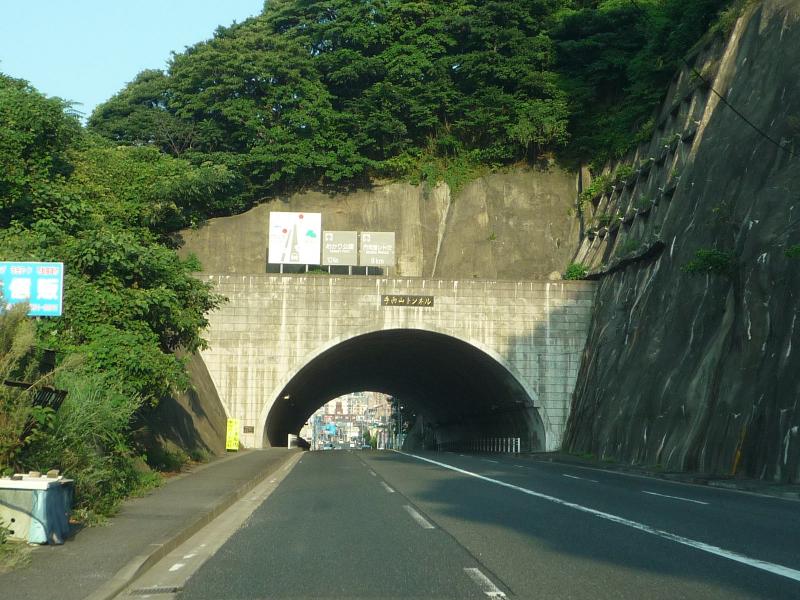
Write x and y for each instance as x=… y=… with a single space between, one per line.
x=787 y=491
x=99 y=560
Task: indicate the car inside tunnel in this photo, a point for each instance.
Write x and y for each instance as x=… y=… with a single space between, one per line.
x=458 y=393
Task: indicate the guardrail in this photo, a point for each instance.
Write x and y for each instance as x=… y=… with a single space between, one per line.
x=501 y=445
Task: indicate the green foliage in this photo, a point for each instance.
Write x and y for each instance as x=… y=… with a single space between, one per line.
x=600 y=185
x=576 y=271
x=792 y=251
x=642 y=202
x=628 y=246
x=624 y=172
x=710 y=261
x=616 y=59
x=17 y=362
x=89 y=440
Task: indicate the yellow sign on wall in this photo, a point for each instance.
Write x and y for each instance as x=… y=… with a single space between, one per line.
x=232 y=436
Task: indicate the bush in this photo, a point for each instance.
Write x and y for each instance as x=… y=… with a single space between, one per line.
x=711 y=260
x=576 y=271
x=793 y=251
x=88 y=442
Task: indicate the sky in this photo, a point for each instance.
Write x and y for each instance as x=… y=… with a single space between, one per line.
x=85 y=51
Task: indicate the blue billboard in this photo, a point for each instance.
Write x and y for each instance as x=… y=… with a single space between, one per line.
x=38 y=283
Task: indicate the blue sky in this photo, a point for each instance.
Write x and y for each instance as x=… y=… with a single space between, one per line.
x=87 y=50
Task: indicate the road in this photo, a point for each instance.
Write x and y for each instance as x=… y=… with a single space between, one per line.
x=388 y=525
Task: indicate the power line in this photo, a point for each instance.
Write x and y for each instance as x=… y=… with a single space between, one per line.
x=722 y=97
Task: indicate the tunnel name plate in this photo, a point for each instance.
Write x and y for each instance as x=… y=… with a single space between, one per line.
x=412 y=301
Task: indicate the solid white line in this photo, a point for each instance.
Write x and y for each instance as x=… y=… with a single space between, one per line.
x=773 y=568
x=176 y=567
x=581 y=478
x=486 y=585
x=388 y=489
x=421 y=521
x=674 y=497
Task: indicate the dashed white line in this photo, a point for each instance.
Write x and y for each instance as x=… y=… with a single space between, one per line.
x=521 y=466
x=373 y=473
x=763 y=565
x=674 y=497
x=489 y=460
x=176 y=567
x=421 y=521
x=581 y=478
x=388 y=489
x=192 y=555
x=483 y=582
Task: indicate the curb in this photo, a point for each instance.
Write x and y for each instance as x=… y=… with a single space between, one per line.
x=139 y=564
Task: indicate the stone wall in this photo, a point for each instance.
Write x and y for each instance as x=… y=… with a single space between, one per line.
x=274 y=326
x=700 y=371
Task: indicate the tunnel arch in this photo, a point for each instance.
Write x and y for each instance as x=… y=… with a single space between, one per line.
x=460 y=389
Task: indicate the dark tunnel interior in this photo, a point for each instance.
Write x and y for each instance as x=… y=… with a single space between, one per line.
x=458 y=391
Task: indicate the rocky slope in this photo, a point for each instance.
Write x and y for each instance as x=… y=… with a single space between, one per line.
x=513 y=225
x=693 y=359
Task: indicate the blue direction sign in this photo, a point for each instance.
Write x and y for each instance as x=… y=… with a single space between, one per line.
x=40 y=284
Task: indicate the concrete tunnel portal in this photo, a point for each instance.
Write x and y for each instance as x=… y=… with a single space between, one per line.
x=458 y=391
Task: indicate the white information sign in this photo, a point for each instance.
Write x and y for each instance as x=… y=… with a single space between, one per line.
x=377 y=249
x=340 y=248
x=294 y=238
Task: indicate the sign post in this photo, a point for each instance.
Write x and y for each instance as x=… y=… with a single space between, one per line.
x=232 y=436
x=377 y=249
x=40 y=284
x=294 y=238
x=340 y=248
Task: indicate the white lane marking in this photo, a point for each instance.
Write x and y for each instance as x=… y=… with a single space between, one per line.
x=388 y=489
x=521 y=466
x=176 y=567
x=581 y=478
x=489 y=460
x=462 y=455
x=486 y=585
x=273 y=480
x=373 y=473
x=421 y=521
x=674 y=497
x=763 y=565
x=192 y=555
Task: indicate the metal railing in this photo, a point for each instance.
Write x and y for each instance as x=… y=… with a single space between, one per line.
x=495 y=445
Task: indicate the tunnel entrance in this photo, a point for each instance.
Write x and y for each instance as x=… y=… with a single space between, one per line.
x=457 y=392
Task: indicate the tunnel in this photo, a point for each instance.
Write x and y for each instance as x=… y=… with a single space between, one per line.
x=457 y=392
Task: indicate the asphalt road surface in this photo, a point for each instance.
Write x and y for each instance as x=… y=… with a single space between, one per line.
x=389 y=525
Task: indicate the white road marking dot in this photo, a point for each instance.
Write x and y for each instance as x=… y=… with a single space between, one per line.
x=192 y=555
x=388 y=489
x=176 y=567
x=763 y=565
x=273 y=480
x=674 y=497
x=486 y=585
x=581 y=478
x=421 y=521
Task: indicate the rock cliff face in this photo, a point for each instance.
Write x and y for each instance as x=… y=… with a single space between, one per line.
x=693 y=360
x=511 y=226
